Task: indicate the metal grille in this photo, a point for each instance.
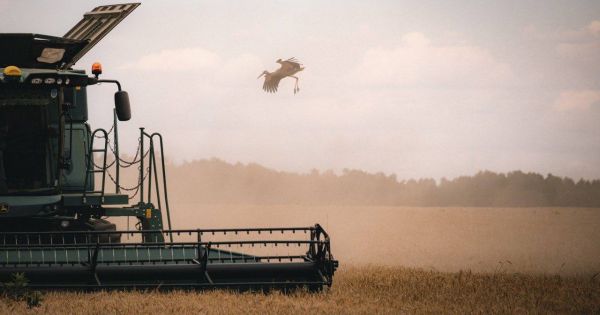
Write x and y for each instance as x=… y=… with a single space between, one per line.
x=96 y=24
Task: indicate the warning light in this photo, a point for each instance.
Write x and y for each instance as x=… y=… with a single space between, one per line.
x=96 y=69
x=12 y=71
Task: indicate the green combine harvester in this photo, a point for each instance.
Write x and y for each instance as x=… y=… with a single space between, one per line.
x=60 y=180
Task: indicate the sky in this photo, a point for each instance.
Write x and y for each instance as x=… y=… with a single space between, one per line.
x=414 y=88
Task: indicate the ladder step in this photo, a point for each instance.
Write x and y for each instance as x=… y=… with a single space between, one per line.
x=98 y=150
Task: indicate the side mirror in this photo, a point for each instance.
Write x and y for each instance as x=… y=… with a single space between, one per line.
x=122 y=106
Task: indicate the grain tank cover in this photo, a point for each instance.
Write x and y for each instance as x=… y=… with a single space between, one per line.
x=96 y=24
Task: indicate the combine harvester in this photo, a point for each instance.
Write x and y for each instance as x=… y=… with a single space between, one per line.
x=54 y=195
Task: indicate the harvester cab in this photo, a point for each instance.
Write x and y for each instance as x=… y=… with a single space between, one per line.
x=60 y=182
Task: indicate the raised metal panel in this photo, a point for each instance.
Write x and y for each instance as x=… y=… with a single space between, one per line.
x=96 y=24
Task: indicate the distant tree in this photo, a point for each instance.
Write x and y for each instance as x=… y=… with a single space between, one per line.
x=216 y=181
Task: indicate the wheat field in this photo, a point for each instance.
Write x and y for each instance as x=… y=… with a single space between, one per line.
x=397 y=260
x=357 y=290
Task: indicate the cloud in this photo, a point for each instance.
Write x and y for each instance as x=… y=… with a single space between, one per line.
x=180 y=60
x=583 y=50
x=582 y=33
x=581 y=45
x=200 y=65
x=532 y=32
x=418 y=61
x=594 y=28
x=245 y=67
x=580 y=100
x=586 y=46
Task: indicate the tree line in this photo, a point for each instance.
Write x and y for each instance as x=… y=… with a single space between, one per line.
x=216 y=181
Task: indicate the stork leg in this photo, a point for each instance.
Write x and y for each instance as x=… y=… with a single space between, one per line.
x=296 y=87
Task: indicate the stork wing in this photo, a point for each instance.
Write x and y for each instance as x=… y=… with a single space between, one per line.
x=271 y=83
x=294 y=60
x=291 y=64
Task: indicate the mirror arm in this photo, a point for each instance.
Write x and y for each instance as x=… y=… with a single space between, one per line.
x=92 y=81
x=121 y=99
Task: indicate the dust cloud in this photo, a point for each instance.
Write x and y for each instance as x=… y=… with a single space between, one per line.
x=530 y=240
x=551 y=240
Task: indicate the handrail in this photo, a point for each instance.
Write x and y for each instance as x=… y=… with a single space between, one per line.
x=91 y=166
x=181 y=231
x=161 y=245
x=154 y=174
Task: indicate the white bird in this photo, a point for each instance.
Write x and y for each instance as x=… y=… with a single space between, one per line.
x=288 y=69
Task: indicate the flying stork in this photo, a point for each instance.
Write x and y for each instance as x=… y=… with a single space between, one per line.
x=288 y=69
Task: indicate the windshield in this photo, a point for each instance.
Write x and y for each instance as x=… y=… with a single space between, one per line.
x=28 y=140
